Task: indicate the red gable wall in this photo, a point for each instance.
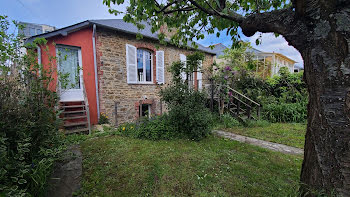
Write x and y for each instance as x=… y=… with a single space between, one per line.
x=82 y=39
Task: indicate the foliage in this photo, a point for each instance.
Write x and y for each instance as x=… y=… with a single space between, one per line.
x=226 y=121
x=156 y=128
x=123 y=166
x=192 y=19
x=29 y=138
x=285 y=112
x=187 y=114
x=284 y=98
x=103 y=119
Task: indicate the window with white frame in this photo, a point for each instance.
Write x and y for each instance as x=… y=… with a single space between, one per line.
x=139 y=64
x=144 y=65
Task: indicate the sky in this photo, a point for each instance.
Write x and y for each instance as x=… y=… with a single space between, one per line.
x=61 y=13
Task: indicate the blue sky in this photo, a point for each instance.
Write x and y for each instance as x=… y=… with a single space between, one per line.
x=61 y=13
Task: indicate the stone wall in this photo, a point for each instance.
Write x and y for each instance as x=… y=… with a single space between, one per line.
x=115 y=92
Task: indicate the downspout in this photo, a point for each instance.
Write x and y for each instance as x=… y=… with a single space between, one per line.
x=95 y=68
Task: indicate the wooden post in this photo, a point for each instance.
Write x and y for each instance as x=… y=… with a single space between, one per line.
x=212 y=95
x=248 y=112
x=116 y=114
x=161 y=106
x=238 y=107
x=258 y=112
x=140 y=109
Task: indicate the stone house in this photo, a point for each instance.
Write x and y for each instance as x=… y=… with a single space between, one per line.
x=119 y=74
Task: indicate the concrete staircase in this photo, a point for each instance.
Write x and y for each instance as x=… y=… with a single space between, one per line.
x=75 y=116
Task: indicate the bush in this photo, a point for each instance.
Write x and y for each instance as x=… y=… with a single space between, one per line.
x=187 y=116
x=227 y=121
x=285 y=112
x=29 y=137
x=153 y=129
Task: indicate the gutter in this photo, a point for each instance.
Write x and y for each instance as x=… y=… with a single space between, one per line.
x=95 y=69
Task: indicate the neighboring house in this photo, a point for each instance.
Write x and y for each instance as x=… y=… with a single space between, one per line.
x=273 y=62
x=32 y=29
x=298 y=68
x=122 y=75
x=270 y=63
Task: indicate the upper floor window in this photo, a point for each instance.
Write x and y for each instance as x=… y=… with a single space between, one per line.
x=32 y=32
x=144 y=65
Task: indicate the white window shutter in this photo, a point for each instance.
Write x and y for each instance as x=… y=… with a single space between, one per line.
x=131 y=63
x=160 y=67
x=183 y=59
x=199 y=76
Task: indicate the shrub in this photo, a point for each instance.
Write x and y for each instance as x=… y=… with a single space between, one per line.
x=187 y=115
x=285 y=112
x=227 y=121
x=29 y=138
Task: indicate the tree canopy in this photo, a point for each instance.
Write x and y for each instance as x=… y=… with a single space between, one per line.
x=194 y=18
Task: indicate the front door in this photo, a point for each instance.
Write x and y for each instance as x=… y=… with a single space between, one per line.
x=70 y=68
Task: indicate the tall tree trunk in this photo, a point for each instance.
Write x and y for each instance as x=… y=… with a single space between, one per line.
x=326 y=165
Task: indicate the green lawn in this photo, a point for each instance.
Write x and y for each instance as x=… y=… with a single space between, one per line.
x=291 y=134
x=122 y=166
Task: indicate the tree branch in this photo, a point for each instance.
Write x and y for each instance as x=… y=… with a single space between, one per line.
x=277 y=21
x=234 y=16
x=185 y=9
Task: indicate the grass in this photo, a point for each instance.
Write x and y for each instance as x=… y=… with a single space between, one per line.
x=122 y=166
x=291 y=134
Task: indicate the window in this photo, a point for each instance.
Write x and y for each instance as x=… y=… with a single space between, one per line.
x=39 y=31
x=139 y=64
x=145 y=110
x=32 y=31
x=144 y=65
x=68 y=59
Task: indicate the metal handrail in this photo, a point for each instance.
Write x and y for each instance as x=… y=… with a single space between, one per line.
x=244 y=96
x=86 y=101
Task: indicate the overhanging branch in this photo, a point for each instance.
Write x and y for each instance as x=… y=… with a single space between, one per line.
x=278 y=21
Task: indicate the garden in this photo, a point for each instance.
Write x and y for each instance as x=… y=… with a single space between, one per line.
x=174 y=153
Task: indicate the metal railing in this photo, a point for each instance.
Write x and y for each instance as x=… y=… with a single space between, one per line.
x=86 y=102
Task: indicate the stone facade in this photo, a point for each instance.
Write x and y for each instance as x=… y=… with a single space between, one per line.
x=120 y=100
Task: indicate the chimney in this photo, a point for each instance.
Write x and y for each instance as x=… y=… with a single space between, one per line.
x=168 y=33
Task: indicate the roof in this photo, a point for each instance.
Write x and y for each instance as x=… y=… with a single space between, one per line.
x=114 y=24
x=279 y=54
x=218 y=49
x=253 y=50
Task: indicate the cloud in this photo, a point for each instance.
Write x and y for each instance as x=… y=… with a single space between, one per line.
x=272 y=44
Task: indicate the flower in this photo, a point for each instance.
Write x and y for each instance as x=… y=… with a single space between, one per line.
x=228 y=68
x=230 y=93
x=132 y=127
x=226 y=77
x=123 y=128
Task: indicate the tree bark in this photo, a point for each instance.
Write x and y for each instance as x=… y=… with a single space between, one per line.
x=320 y=30
x=326 y=165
